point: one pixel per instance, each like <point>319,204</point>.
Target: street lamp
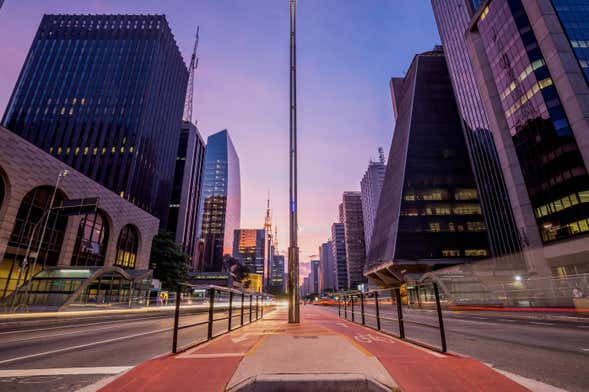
<point>293,249</point>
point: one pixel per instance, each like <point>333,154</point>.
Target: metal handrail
<point>212,290</point>
<point>395,296</point>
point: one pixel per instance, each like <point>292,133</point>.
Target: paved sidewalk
<point>324,347</point>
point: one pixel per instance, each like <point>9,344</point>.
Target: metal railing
<point>223,305</point>
<point>406,311</point>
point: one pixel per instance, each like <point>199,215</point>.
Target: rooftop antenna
<point>190,87</point>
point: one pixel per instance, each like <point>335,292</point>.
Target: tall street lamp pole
<point>293,249</point>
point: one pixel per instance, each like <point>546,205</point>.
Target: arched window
<point>91,241</point>
<point>127,247</point>
<point>32,217</point>
<point>2,190</point>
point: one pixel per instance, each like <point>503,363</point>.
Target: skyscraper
<point>326,267</point>
<point>338,250</point>
<point>370,187</point>
<point>314,282</point>
<point>429,213</point>
<point>453,17</point>
<point>183,212</point>
<point>249,248</point>
<point>220,202</point>
<point>354,232</point>
<point>278,272</point>
<point>530,59</point>
<point>105,94</point>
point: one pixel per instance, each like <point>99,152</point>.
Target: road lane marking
<point>539,323</point>
<point>63,371</point>
<point>71,348</point>
<point>256,345</point>
<point>83,325</point>
<point>585,349</point>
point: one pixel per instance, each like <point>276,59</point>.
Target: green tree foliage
<point>170,263</point>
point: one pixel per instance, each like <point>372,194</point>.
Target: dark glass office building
<point>105,94</point>
<point>429,214</point>
<point>544,138</point>
<point>453,18</point>
<point>186,189</point>
<point>574,17</point>
<point>220,202</point>
<point>249,247</point>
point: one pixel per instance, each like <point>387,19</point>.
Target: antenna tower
<point>190,87</point>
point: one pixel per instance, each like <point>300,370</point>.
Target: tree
<point>169,261</point>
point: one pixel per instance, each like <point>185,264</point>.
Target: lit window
<point>450,252</point>
<point>476,252</point>
<point>434,226</point>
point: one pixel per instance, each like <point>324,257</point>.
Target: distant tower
<point>269,248</point>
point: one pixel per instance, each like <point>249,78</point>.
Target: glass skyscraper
<point>105,94</point>
<point>574,17</point>
<point>220,202</point>
<point>249,248</point>
<point>453,18</point>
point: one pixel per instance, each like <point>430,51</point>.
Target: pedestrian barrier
<point>372,308</point>
<point>232,308</point>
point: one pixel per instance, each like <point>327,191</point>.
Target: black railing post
<point>257,306</point>
<point>211,313</point>
<point>400,313</point>
<point>339,306</point>
<point>262,307</point>
<point>362,308</point>
<point>251,301</point>
<point>230,311</point>
<point>377,310</point>
<point>242,300</point>
<point>345,307</point>
<point>176,321</point>
<point>440,318</point>
<point>352,305</point>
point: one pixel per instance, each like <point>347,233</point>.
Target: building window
<point>476,252</point>
<point>91,241</point>
<point>127,246</point>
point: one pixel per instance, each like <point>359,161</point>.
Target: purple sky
<point>347,51</point>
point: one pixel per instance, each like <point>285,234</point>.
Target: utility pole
<point>293,249</point>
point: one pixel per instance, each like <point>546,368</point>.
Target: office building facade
<point>429,213</point>
<point>370,187</point>
<point>105,94</point>
<point>277,276</point>
<point>354,232</point>
<point>326,267</point>
<point>530,59</point>
<point>186,189</point>
<point>249,248</point>
<point>314,276</point>
<point>220,202</point>
<point>338,251</point>
<point>453,18</point>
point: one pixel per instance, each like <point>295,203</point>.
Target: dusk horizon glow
<point>241,85</point>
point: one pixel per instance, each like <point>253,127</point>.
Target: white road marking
<point>59,334</point>
<point>539,323</point>
<point>63,371</point>
<point>585,349</point>
<point>80,325</point>
<point>84,345</point>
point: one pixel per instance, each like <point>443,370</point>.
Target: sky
<point>347,52</point>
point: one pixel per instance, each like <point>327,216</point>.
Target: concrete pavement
<point>313,353</point>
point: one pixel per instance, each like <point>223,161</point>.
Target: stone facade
<point>23,167</point>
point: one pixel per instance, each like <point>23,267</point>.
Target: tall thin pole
<point>293,249</point>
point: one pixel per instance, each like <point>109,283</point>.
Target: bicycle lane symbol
<point>368,338</point>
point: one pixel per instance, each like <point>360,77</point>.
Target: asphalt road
<point>553,351</point>
<point>97,342</point>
